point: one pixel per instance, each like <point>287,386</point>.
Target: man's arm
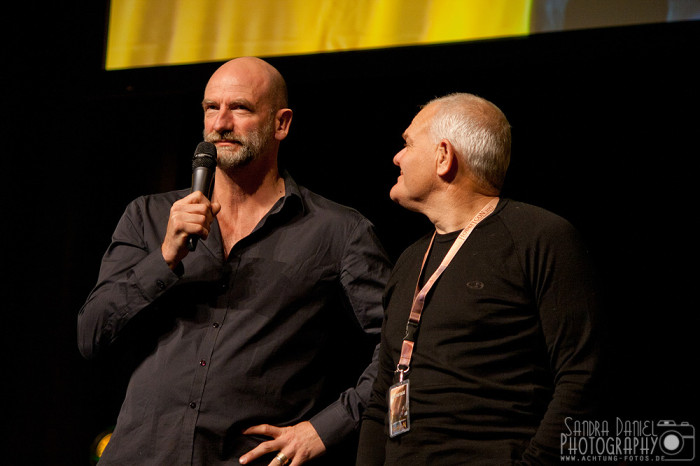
<point>569,313</point>
<point>371,448</point>
<point>365,272</point>
<point>135,270</point>
<point>365,269</point>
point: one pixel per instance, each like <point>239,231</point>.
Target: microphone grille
<point>204,155</point>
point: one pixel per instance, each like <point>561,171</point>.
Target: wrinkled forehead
<point>235,81</point>
<point>421,122</point>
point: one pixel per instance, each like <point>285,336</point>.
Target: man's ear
<point>283,119</point>
<point>446,160</point>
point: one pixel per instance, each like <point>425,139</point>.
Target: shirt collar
<point>292,196</point>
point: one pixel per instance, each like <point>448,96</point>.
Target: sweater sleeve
<point>372,434</point>
<point>563,281</point>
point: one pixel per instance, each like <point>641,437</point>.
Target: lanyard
<point>420,294</point>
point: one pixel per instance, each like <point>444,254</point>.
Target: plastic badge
<point>399,420</point>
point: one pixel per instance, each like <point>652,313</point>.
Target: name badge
<point>399,420</point>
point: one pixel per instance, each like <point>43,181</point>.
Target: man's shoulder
<point>523,215</point>
<point>527,222</point>
<point>168,197</point>
<point>155,203</point>
<point>324,208</point>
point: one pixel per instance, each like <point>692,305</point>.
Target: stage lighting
<point>99,444</point>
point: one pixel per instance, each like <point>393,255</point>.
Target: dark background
<point>605,130</point>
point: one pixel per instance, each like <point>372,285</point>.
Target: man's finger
<point>261,450</point>
<point>263,429</point>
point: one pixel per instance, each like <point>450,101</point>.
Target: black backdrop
<point>605,134</point>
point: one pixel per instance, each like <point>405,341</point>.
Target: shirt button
<point>193,405</point>
<point>202,363</point>
<point>160,284</point>
<point>215,325</point>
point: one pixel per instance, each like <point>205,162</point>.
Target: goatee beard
<point>243,152</point>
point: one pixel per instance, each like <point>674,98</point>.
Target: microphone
<point>203,168</point>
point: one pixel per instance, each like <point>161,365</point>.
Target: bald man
<point>257,346</point>
<point>490,337</point>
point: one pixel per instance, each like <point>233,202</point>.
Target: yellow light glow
<point>161,32</point>
<point>102,444</point>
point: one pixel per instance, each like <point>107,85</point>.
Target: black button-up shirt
<point>281,332</point>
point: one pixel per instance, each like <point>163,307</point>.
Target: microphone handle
<point>192,242</point>
<point>201,181</point>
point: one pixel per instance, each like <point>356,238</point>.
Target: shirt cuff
<point>333,424</point>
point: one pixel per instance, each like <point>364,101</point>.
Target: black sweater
<point>506,348</point>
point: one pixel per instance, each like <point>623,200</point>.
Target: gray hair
<point>479,132</point>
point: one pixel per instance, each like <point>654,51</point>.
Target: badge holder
<point>399,416</point>
<point>398,396</point>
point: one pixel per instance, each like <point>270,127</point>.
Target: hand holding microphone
<point>191,216</point>
<point>203,168</point>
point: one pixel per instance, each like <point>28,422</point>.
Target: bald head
<point>257,75</point>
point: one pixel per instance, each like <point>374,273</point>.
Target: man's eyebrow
<point>233,103</point>
<point>241,102</point>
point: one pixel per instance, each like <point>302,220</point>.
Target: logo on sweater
<point>626,440</point>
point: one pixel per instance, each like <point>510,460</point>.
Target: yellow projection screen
<point>143,33</point>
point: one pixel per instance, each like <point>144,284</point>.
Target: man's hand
<point>191,215</point>
<point>298,443</point>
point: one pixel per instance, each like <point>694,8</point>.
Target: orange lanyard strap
<point>420,294</point>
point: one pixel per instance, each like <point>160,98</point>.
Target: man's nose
<point>397,157</point>
<point>223,121</point>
